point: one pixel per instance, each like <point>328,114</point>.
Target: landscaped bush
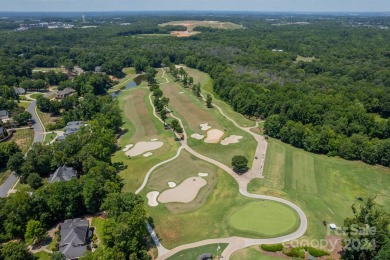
<point>294,252</point>
<point>272,248</point>
<point>316,252</point>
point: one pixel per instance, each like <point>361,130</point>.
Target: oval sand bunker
<point>197,136</point>
<point>171,184</point>
<point>152,198</point>
<point>233,139</point>
<point>185,192</point>
<point>213,136</point>
<point>142,147</point>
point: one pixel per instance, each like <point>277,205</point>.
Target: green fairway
<point>259,218</point>
<point>323,187</point>
<point>193,253</point>
<point>252,253</point>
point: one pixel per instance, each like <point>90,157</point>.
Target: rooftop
<point>74,238</point>
<point>63,173</point>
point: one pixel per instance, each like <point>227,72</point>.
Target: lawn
<point>42,255</point>
<point>193,253</point>
<point>24,104</point>
<point>46,118</point>
<point>98,223</point>
<point>193,112</point>
<point>209,221</point>
<point>185,166</point>
<point>258,217</point>
<point>47,69</point>
<point>305,59</point>
<point>23,138</point>
<point>323,187</point>
<point>36,95</point>
<point>49,137</point>
<point>251,253</point>
<point>141,125</point>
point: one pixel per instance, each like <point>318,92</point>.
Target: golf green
<point>265,218</point>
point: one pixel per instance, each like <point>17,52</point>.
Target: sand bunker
<point>185,192</point>
<point>154,140</point>
<point>171,184</point>
<point>181,92</point>
<point>203,174</point>
<point>233,139</point>
<point>147,154</point>
<point>127,147</point>
<point>152,198</point>
<point>142,147</point>
<point>213,136</point>
<point>197,136</point>
<point>204,127</point>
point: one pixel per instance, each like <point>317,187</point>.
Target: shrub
<point>298,252</point>
<point>316,252</point>
<point>272,248</point>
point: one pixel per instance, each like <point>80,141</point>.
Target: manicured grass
<point>207,88</point>
<point>193,112</point>
<point>47,69</point>
<point>323,187</point>
<point>49,137</point>
<point>252,253</point>
<point>141,125</point>
<point>259,218</point>
<point>46,118</point>
<point>98,223</point>
<point>130,75</point>
<point>24,104</point>
<point>4,173</point>
<point>209,221</point>
<point>23,138</point>
<point>42,255</point>
<point>185,166</point>
<point>193,253</point>
<point>305,59</point>
<point>36,95</point>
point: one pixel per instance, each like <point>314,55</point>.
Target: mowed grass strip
<point>46,118</point>
<point>138,119</point>
<point>193,253</point>
<point>23,138</point>
<point>324,187</point>
<point>252,253</point>
<point>178,170</point>
<point>258,217</point>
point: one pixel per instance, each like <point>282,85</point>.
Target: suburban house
<point>63,173</point>
<point>4,114</point>
<point>71,128</point>
<point>19,91</point>
<point>65,93</point>
<point>3,133</point>
<point>75,236</point>
<point>98,69</point>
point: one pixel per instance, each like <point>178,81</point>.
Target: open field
<point>185,166</point>
<point>252,253</point>
<point>323,187</point>
<point>36,69</point>
<point>193,253</point>
<point>23,138</point>
<point>141,125</point>
<point>193,112</point>
<point>207,87</point>
<point>211,220</point>
<point>258,217</point>
<point>305,59</point>
<point>46,118</point>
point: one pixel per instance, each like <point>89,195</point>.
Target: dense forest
<point>326,90</point>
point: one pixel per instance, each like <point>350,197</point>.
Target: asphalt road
<point>38,137</point>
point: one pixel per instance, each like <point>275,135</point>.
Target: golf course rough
<point>265,218</point>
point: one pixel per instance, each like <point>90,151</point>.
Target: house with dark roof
<point>71,128</point>
<point>19,91</point>
<point>4,114</point>
<point>63,173</point>
<point>75,236</point>
<point>65,93</point>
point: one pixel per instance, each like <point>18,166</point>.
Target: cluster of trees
<point>92,83</point>
<point>240,164</point>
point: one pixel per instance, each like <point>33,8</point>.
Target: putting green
<point>265,218</point>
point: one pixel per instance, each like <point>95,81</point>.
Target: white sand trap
<point>142,147</point>
<point>171,184</point>
<point>213,136</point>
<point>233,139</point>
<point>203,174</point>
<point>154,139</point>
<point>185,192</point>
<point>204,127</point>
<point>181,92</point>
<point>127,147</point>
<point>197,136</point>
<point>147,154</point>
<point>152,198</point>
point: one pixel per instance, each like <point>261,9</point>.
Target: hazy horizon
<point>195,5</point>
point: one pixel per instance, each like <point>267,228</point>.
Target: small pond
<point>135,82</point>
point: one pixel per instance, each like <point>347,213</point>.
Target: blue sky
<point>233,5</point>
